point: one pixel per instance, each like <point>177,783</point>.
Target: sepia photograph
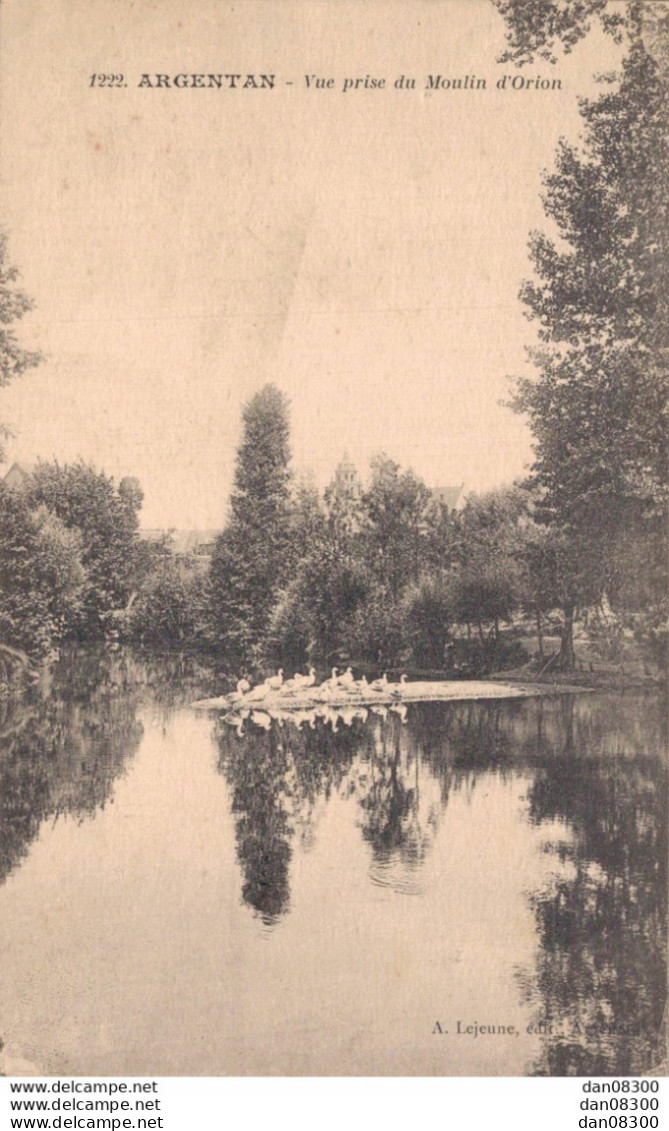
<point>334,344</point>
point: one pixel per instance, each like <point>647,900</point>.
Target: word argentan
<point>209,82</point>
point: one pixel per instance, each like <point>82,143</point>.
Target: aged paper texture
<point>333,199</point>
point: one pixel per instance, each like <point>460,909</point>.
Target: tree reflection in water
<point>595,786</point>
<point>61,752</point>
<point>601,971</point>
<point>277,777</point>
<point>397,820</point>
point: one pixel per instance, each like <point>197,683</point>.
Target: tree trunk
<point>540,633</point>
<point>566,658</point>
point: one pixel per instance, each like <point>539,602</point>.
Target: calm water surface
<point>178,898</point>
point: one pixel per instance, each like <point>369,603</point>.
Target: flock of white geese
<point>341,699</point>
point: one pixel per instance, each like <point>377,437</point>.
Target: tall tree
<point>600,296</point>
<point>13,305</point>
<point>395,511</point>
<point>253,557</point>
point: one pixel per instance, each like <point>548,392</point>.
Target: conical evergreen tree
<point>252,557</point>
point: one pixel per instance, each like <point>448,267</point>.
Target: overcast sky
<point>183,247</point>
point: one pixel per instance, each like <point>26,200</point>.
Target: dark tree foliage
<point>13,305</point>
<point>315,612</point>
<point>598,407</point>
<point>427,613</point>
<point>41,576</point>
<point>601,299</point>
<point>395,509</point>
<point>168,610</point>
<point>253,557</point>
<point>106,518</point>
<point>540,27</point>
<point>355,564</point>
<point>485,587</point>
<point>24,615</point>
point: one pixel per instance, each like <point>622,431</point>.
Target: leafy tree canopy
<point>106,519</point>
<point>541,27</point>
<point>14,360</point>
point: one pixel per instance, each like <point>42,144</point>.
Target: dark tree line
<point>385,573</point>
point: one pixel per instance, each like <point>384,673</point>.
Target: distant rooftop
<point>451,496</point>
<point>183,541</point>
<point>18,473</point>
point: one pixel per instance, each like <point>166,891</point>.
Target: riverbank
<point>592,674</point>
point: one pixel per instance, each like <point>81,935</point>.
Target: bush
<point>41,577</point>
<point>167,612</point>
<point>469,659</point>
<point>104,517</point>
<point>291,631</point>
<point>426,616</point>
<point>375,630</point>
<point>314,614</point>
<point>483,600</point>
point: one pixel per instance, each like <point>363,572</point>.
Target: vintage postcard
<point>333,638</point>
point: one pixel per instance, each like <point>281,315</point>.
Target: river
<point>471,889</point>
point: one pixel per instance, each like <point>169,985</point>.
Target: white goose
<point>263,689</point>
<point>328,687</point>
<point>396,691</point>
<point>300,682</point>
<point>347,680</point>
<point>274,683</point>
<point>258,692</point>
<point>242,687</point>
<point>332,681</point>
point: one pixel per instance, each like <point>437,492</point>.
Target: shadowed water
<point>360,895</point>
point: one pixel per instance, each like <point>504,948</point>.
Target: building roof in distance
<point>182,541</point>
<point>451,496</point>
<point>18,473</point>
